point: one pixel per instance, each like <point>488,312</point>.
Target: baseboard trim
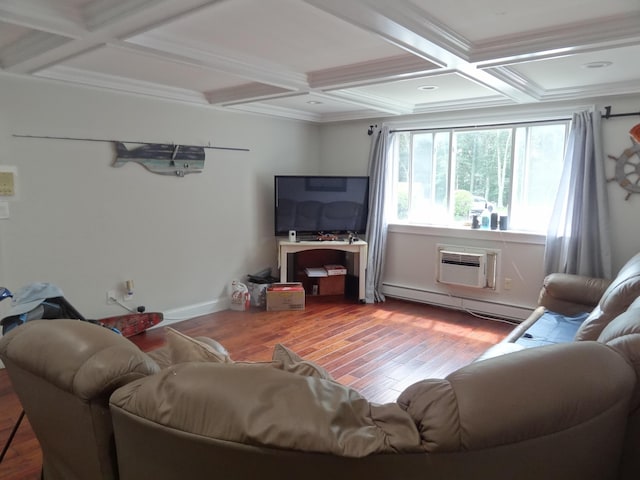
<point>495,309</point>
<point>190,311</point>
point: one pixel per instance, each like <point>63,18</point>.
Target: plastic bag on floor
<point>240,298</point>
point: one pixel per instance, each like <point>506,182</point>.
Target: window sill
<point>511,236</point>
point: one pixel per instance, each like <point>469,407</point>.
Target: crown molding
<point>457,105</point>
<point>480,115</point>
<point>246,93</point>
<point>517,81</point>
<point>110,82</point>
<point>276,111</point>
<point>577,38</point>
<point>33,44</point>
<point>592,91</point>
<point>372,102</point>
<point>367,73</point>
<point>57,18</point>
<point>216,58</point>
<point>349,116</point>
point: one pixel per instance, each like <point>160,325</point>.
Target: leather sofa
<point>610,314</point>
<point>102,409</point>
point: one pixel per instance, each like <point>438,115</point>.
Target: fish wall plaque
<point>162,158</point>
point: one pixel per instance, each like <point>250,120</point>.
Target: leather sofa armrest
<point>571,294</point>
<point>78,357</point>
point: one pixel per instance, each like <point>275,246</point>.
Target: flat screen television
<point>321,204</point>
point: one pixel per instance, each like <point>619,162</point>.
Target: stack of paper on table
<point>335,269</point>
<point>315,272</point>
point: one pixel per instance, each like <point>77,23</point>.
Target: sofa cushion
<point>291,362</point>
<point>623,334</point>
<point>627,323</point>
<point>256,404</point>
<point>624,289</point>
<point>184,348</point>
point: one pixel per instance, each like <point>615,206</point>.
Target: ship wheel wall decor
<point>627,172</point>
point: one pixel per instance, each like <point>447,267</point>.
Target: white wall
<point>87,227</point>
<point>411,253</point>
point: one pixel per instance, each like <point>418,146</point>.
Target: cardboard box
<point>285,296</point>
<point>331,285</point>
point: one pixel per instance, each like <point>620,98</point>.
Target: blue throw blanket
<point>551,328</point>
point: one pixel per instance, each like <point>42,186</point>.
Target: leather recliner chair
<point>64,372</point>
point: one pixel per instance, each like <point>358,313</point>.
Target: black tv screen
<point>327,204</point>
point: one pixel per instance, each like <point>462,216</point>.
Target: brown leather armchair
<point>64,372</point>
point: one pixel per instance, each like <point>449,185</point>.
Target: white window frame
<point>492,120</point>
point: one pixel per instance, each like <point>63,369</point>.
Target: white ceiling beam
<point>372,72</point>
<point>140,16</point>
<point>249,92</point>
<point>567,40</point>
<point>128,85</point>
<point>219,59</point>
<point>57,18</point>
<point>371,102</point>
<point>404,25</point>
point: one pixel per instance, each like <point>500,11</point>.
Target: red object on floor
<point>132,324</point>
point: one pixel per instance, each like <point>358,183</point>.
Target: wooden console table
<point>360,247</point>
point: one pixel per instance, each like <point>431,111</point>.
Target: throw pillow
<point>291,362</point>
<point>186,349</point>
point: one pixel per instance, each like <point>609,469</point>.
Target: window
<point>446,176</point>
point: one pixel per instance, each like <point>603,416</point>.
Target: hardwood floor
<point>377,349</point>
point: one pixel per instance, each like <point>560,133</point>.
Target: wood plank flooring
<point>377,349</point>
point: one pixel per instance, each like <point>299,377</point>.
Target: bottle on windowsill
<point>485,219</point>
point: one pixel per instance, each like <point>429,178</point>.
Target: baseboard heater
<point>467,267</point>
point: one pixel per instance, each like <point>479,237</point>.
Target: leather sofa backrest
<point>539,413</point>
<point>258,404</point>
<point>623,334</point>
<point>622,291</point>
<point>64,372</point>
<point>532,393</point>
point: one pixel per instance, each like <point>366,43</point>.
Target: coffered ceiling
<point>330,60</point>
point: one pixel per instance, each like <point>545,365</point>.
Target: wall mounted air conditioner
<point>467,267</point>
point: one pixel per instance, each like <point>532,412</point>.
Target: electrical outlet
<point>111,297</point>
<point>507,283</point>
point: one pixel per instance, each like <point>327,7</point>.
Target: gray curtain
<point>377,223</point>
<point>578,239</point>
